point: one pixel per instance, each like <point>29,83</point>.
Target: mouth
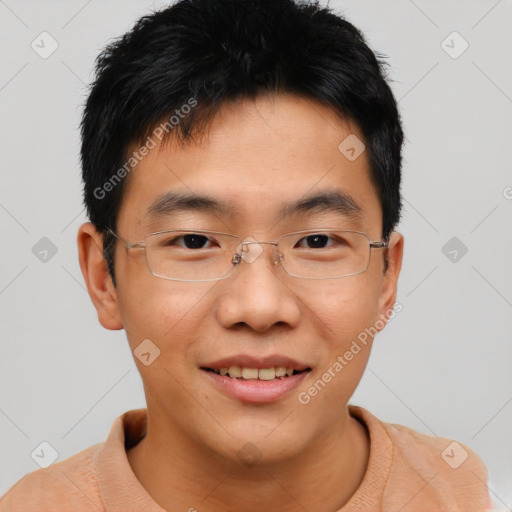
<point>256,380</point>
<point>248,373</point>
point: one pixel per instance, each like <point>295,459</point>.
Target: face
<point>256,157</point>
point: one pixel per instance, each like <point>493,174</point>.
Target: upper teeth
<point>255,373</point>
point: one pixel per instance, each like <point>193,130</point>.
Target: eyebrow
<point>174,202</point>
<point>328,201</point>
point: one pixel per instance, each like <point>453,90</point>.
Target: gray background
<point>442,366</point>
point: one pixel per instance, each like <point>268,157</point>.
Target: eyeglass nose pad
<point>237,257</point>
<point>279,259</point>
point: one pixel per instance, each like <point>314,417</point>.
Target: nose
<point>256,294</point>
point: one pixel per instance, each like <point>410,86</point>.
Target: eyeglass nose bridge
<point>250,255</point>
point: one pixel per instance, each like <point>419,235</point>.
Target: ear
<point>387,297</point>
<point>97,278</point>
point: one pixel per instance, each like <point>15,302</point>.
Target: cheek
<point>345,312</point>
<point>343,308</point>
<point>169,313</point>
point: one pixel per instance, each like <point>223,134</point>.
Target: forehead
<point>258,161</point>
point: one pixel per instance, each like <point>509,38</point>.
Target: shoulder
<point>429,469</point>
<point>425,453</point>
<point>450,470</point>
<point>67,485</point>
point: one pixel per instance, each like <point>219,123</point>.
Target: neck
<point>179,474</point>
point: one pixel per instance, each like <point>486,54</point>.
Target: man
<point>241,162</point>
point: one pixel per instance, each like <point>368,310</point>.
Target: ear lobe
<point>387,297</point>
<point>95,271</point>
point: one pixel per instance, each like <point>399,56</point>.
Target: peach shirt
<point>406,472</point>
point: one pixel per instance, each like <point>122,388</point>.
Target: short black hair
<point>177,66</point>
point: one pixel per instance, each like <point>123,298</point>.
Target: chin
<point>260,445</point>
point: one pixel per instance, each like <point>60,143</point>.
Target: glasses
<point>202,255</point>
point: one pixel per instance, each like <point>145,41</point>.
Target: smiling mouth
<point>244,373</point>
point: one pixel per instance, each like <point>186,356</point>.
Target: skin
<point>256,155</point>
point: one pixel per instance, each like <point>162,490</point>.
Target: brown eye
<point>188,241</point>
<point>315,241</point>
<point>194,241</point>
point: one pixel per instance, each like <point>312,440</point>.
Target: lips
<point>256,380</point>
<point>256,390</point>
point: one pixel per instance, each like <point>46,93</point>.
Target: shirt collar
<point>119,487</point>
<point>121,491</point>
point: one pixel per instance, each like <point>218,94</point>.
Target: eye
<point>188,241</point>
<point>315,241</point>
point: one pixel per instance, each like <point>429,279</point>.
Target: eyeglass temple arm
<point>129,245</point>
